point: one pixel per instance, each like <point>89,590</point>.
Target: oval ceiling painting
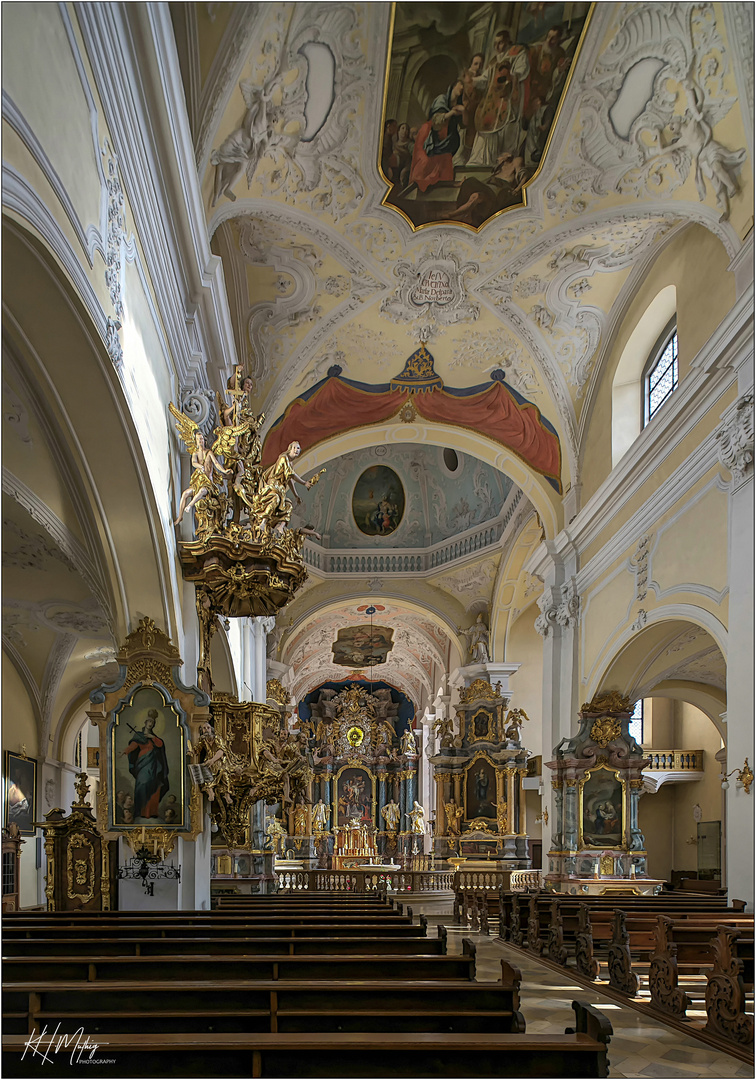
<point>378,501</point>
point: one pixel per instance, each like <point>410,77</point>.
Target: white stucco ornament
<point>435,288</point>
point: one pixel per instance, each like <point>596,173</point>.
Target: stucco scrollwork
<point>435,288</point>
<point>548,604</point>
<point>735,438</point>
<point>649,109</point>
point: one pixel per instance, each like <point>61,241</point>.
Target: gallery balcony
<point>672,767</point>
<point>360,561</point>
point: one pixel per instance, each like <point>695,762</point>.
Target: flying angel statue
<point>203,482</point>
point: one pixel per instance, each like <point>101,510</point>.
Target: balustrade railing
<point>405,561</point>
<point>357,881</point>
<point>676,760</point>
<point>525,880</point>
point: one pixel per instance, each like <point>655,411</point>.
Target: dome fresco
<point>439,501</point>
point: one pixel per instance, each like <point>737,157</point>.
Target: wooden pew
<point>581,1052</point>
<point>265,1005</point>
<point>94,967</point>
<point>54,945</point>
<point>685,949</point>
<point>154,928</point>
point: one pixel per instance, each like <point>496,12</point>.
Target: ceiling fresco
<point>438,504</point>
<point>472,94</point>
<point>328,284</point>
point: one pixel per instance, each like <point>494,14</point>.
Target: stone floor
<point>640,1046</point>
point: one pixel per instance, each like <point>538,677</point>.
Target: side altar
<point>597,847</point>
<point>479,772</point>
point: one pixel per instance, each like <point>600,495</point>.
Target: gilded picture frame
<point>479,793</point>
<point>426,166</point>
<point>602,810</point>
<point>20,792</point>
<point>340,793</point>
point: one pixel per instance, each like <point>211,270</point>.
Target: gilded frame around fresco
<point>533,178</point>
<point>582,845</point>
<point>465,774</point>
<point>335,808</point>
<point>148,659</point>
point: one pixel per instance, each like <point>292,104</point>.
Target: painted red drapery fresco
<point>337,405</point>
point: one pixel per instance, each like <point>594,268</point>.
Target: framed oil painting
<point>20,792</point>
<point>354,795</point>
<point>362,646</point>
<point>480,790</point>
<point>147,748</point>
<point>602,823</point>
<point>472,95</point>
<point>378,501</point>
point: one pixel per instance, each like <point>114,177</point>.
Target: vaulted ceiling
<point>286,107</point>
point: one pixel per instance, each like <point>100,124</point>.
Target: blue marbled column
<point>570,816</point>
<point>403,821</point>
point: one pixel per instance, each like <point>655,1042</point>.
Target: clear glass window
<point>635,726</point>
<point>661,376</point>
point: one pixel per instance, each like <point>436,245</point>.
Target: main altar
<point>361,803</point>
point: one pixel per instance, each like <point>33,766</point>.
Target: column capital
<point>548,603</point>
<point>735,438</point>
<point>568,609</point>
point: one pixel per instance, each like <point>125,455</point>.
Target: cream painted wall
<point>524,646</point>
<point>19,722</point>
<point>696,264</point>
<point>666,818</point>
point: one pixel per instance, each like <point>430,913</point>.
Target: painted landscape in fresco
<point>472,92</point>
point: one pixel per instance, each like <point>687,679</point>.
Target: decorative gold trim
<point>478,824</point>
<point>274,689</point>
<point>480,690</point>
<point>78,870</point>
<point>606,730</point>
<point>609,702</point>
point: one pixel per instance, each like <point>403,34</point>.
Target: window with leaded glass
<point>635,726</point>
<point>661,374</point>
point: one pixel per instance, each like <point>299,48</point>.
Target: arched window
<point>628,385</point>
<point>660,373</point>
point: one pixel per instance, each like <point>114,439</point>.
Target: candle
<point>597,870</point>
<point>154,846</point>
<point>162,854</point>
<point>143,834</point>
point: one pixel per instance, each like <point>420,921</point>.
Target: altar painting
<point>20,792</point>
<point>480,790</point>
<point>601,809</point>
<point>354,796</point>
<point>378,501</point>
<point>362,646</point>
<point>147,748</point>
<point>472,94</point>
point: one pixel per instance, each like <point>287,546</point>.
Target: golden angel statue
<point>203,484</point>
<point>269,508</point>
<point>453,814</point>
